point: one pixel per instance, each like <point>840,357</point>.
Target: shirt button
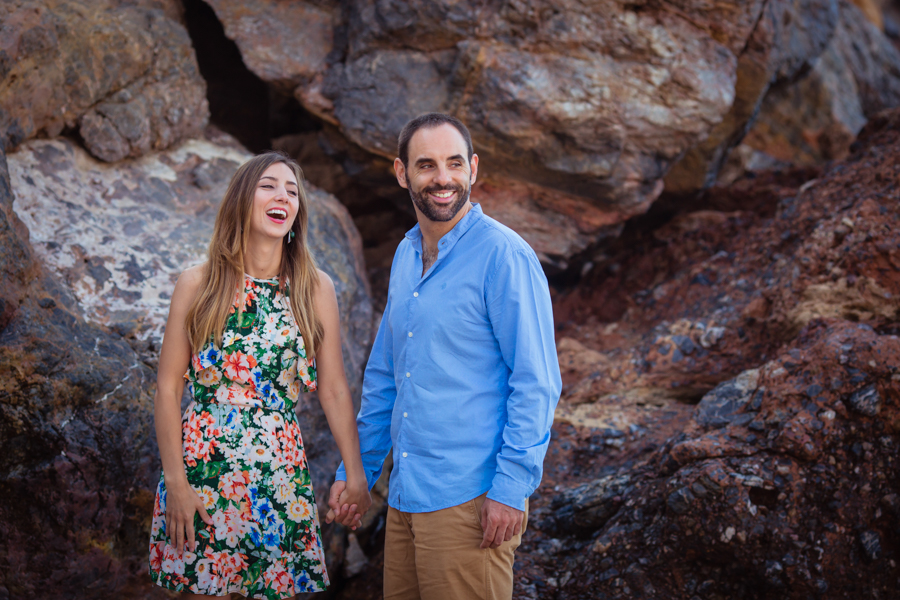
<point>410,334</point>
<point>404,455</point>
<point>415,294</point>
<point>404,415</point>
<point>407,373</point>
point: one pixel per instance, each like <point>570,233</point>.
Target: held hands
<point>348,502</point>
<point>500,523</point>
<point>181,504</point>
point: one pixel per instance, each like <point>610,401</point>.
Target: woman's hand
<point>181,504</point>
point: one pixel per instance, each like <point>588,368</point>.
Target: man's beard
<point>434,212</point>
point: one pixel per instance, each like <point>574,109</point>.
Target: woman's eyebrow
<point>275,179</point>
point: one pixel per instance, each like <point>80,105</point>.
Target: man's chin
<point>436,213</point>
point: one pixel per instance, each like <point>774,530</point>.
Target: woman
<point>250,329</point>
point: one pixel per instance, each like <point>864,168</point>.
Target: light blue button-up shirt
<point>463,378</point>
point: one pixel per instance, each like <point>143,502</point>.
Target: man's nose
<point>443,176</point>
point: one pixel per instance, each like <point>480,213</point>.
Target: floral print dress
<point>244,456</point>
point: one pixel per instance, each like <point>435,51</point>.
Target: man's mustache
<point>442,188</point>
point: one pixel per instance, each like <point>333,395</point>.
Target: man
<point>463,381</point>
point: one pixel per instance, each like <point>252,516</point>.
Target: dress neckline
<point>269,280</point>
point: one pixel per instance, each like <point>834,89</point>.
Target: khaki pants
<point>436,556</point>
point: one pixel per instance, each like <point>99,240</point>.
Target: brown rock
<point>284,43</point>
<point>556,225</point>
<point>124,76</point>
<point>778,480</point>
<point>746,502</point>
<point>787,37</point>
<point>596,102</point>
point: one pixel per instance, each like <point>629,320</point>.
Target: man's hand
<point>500,523</point>
<point>343,512</point>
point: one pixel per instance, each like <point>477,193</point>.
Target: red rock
<point>776,484</point>
<point>124,76</point>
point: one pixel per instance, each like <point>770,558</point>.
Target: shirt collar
<point>450,238</point>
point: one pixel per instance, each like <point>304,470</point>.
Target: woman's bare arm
<point>174,358</point>
<point>334,395</point>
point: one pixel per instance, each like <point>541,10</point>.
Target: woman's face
<point>275,202</point>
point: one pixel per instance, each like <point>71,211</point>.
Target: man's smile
<point>443,195</point>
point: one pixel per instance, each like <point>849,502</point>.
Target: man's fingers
<point>489,534</point>
<point>504,534</point>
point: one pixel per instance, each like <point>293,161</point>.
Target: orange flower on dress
<point>237,366</point>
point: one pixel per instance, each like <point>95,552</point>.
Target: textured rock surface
<point>782,320</point>
<point>790,491</point>
<point>788,37</point>
<point>78,355</point>
<point>556,225</point>
<point>596,100</point>
<point>817,118</point>
<point>285,43</point>
<point>123,75</point>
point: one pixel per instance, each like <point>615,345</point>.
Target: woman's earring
<point>291,236</point>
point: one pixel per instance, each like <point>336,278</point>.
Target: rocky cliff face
<point>729,423</point>
<point>782,479</point>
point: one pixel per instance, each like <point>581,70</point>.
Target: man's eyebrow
<point>275,179</point>
<point>431,160</point>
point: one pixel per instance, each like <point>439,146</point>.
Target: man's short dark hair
<point>429,121</point>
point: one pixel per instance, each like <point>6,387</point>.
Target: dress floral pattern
<point>244,456</point>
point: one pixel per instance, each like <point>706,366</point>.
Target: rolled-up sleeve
<point>521,315</point>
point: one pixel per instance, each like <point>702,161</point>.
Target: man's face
<point>439,176</point>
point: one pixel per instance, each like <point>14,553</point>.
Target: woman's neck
<point>262,259</point>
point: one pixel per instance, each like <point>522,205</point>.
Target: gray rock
<point>727,401</point>
<point>588,507</point>
<point>870,541</point>
<point>866,401</point>
<point>680,500</point>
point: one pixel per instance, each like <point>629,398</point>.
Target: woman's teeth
<point>277,213</point>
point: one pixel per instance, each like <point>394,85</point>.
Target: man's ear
<point>474,165</point>
<point>400,172</point>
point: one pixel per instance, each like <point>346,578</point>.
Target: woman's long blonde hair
<point>223,277</point>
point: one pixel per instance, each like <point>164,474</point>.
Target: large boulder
<point>123,75</point>
<point>588,104</point>
<point>80,349</point>
<point>816,118</point>
<point>786,39</point>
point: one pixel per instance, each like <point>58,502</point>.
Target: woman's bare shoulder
<point>189,281</point>
<point>324,279</point>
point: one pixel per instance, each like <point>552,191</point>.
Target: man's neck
<point>433,231</point>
